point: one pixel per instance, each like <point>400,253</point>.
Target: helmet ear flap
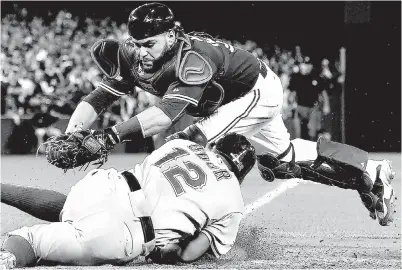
<point>171,36</point>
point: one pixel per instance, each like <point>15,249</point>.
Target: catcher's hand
<point>78,148</point>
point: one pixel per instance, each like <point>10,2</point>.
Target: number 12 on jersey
<point>196,181</point>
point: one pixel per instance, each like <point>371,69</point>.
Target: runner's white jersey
<point>191,190</point>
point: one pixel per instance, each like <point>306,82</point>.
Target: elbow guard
<point>105,54</point>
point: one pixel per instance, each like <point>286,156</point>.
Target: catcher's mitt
<point>76,149</point>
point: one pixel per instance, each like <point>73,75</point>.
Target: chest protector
<point>117,60</point>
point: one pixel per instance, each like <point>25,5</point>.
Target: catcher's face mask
<point>150,26</point>
<point>151,50</point>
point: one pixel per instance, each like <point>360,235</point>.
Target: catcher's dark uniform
<point>197,68</point>
<point>237,91</point>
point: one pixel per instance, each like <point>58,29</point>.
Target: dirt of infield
<point>308,226</point>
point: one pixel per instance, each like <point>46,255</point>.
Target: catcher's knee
<point>264,165</point>
<point>270,167</point>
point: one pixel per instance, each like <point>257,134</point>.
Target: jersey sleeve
<point>188,93</point>
<point>178,96</point>
<point>118,86</point>
<point>222,233</point>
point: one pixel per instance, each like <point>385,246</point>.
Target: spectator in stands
<point>4,94</point>
<point>289,107</point>
<point>308,90</point>
<point>47,59</point>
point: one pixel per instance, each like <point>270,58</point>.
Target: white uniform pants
<point>257,115</point>
<point>97,225</point>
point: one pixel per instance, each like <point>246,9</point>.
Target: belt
<point>131,180</point>
<point>146,222</point>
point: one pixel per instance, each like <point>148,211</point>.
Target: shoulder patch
<point>105,54</point>
<point>194,69</point>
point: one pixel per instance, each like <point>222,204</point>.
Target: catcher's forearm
<point>83,117</point>
<point>149,122</point>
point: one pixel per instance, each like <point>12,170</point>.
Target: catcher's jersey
<point>191,191</point>
<point>195,61</point>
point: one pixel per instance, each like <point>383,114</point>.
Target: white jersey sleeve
<point>222,233</point>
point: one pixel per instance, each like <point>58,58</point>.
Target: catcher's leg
<point>385,208</point>
<point>339,165</point>
<point>248,114</point>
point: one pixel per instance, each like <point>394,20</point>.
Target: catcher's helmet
<point>150,20</point>
<point>239,152</point>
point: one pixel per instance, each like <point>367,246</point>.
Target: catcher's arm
<point>90,108</point>
<point>149,122</point>
<point>117,81</point>
<point>84,116</point>
<point>187,90</point>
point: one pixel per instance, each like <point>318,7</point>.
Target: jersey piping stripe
<point>213,247</point>
<point>142,128</point>
<point>245,114</point>
<point>111,90</point>
<point>181,97</point>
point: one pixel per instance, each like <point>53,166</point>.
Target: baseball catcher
<point>230,90</point>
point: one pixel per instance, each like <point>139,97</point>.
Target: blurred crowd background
<point>46,70</point>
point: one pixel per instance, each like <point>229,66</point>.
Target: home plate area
<point>289,224</point>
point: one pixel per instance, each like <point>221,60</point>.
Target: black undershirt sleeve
<point>100,99</point>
